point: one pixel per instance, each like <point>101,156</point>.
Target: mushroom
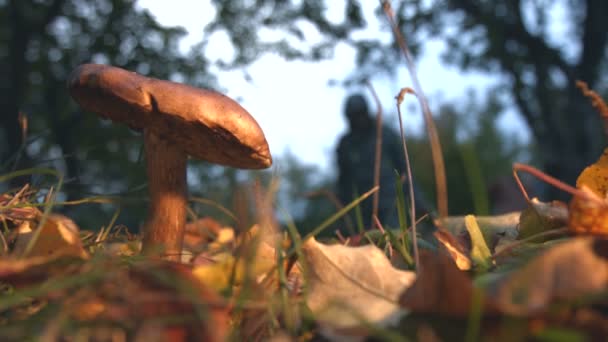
<point>177,120</point>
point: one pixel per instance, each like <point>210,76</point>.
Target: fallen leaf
<point>540,216</point>
<point>454,248</point>
<point>495,229</point>
<point>588,215</point>
<point>59,235</point>
<point>170,290</point>
<point>27,271</point>
<point>441,288</point>
<point>351,285</point>
<point>219,269</point>
<point>567,271</point>
<point>595,176</point>
<point>10,209</point>
<point>128,248</point>
<point>200,232</point>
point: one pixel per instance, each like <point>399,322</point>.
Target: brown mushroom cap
<point>205,124</point>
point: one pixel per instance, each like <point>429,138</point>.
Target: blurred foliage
<point>41,41</point>
<point>471,137</point>
<point>537,50</point>
<point>540,49</point>
<point>477,153</point>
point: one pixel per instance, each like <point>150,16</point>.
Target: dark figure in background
<point>356,156</point>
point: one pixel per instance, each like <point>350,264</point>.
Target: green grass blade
<point>328,222</point>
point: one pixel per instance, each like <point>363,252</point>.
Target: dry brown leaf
<point>441,288</point>
<point>10,211</point>
<point>567,271</point>
<point>32,270</point>
<point>58,236</point>
<point>540,216</point>
<point>200,232</point>
<point>495,229</point>
<point>454,248</point>
<point>150,300</point>
<point>184,295</point>
<point>351,285</point>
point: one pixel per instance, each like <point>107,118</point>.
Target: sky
<point>292,101</point>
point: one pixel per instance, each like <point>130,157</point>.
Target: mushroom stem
<point>166,168</point>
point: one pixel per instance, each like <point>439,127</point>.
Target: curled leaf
<point>58,236</point>
<point>595,176</point>
<point>588,215</point>
<point>540,217</point>
<point>568,270</point>
<point>495,229</point>
<point>351,285</point>
<point>442,289</point>
<point>454,249</point>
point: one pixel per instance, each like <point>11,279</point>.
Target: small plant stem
<point>437,154</point>
<point>410,180</point>
<point>553,181</point>
<point>381,229</point>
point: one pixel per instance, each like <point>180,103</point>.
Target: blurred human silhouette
<point>355,158</point>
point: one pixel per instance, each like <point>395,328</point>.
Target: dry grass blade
<point>437,154</point>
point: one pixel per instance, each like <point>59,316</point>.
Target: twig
<point>381,229</point>
<point>555,182</point>
<point>436,153</point>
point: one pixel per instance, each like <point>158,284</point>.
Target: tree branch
<point>517,32</point>
<point>593,41</point>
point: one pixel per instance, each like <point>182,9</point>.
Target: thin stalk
<point>408,169</point>
<point>437,155</point>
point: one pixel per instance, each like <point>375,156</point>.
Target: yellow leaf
<point>589,214</point>
<point>595,176</point>
<point>217,273</point>
<point>58,236</point>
